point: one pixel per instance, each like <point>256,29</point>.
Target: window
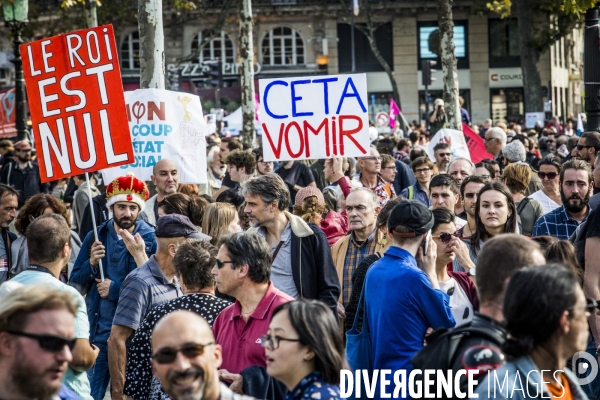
<point>283,46</point>
<point>219,48</point>
<point>504,43</point>
<point>130,51</point>
<point>364,59</point>
<point>428,45</point>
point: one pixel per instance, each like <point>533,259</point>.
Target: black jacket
<point>313,270</point>
<point>472,351</point>
<point>27,181</point>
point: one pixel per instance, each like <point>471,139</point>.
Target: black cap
<point>176,225</point>
<point>411,214</point>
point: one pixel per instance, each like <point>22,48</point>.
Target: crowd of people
<point>246,286</point>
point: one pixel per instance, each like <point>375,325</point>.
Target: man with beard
<point>166,179</point>
<point>575,191</point>
<point>216,172</point>
<point>442,153</point>
<point>37,333</point>
<point>124,243</point>
<point>186,359</point>
<point>588,146</point>
<point>23,174</point>
<point>302,264</point>
<point>9,200</point>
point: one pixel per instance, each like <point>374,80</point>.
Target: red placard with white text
<point>76,102</point>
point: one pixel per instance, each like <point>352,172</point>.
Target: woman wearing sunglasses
<point>458,285</point>
<point>305,350</point>
<point>495,213</point>
<point>549,196</point>
<point>546,319</point>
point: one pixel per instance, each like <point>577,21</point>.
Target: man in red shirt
<point>243,271</point>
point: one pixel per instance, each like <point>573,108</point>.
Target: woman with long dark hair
<point>305,350</point>
<point>546,320</point>
<point>495,213</point>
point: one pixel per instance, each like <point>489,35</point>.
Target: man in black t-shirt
<point>296,176</point>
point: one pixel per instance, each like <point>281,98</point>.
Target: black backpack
<point>441,348</point>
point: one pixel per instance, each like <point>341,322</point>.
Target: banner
<point>8,114</point>
<point>75,96</point>
<point>579,124</point>
<point>455,139</point>
<point>531,118</point>
<point>476,145</point>
<point>165,124</point>
<point>314,117</point>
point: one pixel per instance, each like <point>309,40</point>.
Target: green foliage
<point>564,14</point>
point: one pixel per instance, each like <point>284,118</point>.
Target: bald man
<point>166,179</point>
<point>185,358</point>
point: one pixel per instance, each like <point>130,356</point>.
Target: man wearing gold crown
<point>124,243</point>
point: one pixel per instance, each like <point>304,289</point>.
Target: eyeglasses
<point>444,154</point>
<point>50,343</point>
<point>445,237</point>
<point>273,341</point>
<point>22,151</point>
<point>589,307</point>
<point>422,171</point>
<point>221,264</point>
<point>167,355</point>
<point>487,139</point>
<point>372,159</point>
<point>266,162</point>
<point>392,167</point>
<point>473,195</point>
<point>549,175</point>
<point>582,146</point>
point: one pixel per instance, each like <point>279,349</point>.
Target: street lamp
<point>15,16</point>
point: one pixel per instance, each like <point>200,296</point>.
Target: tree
<point>536,38</point>
<point>449,68</point>
<point>368,28</point>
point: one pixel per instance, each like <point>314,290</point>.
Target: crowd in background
<point>246,286</point>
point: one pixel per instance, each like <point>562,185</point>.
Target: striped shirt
<point>144,288</point>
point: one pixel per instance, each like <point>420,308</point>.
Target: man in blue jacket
<point>403,296</point>
<point>124,243</point>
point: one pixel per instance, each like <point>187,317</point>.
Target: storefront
<point>506,94</point>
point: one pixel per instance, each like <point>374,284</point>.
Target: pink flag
<point>394,110</point>
<point>256,107</point>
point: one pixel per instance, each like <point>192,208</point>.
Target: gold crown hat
<point>127,188</point>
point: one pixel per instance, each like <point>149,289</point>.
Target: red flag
<point>394,110</point>
<point>476,145</point>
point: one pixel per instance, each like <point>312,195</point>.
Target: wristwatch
<point>472,272</point>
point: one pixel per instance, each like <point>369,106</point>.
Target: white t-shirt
<point>462,309</point>
<point>547,203</point>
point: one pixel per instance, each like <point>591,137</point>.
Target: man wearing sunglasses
<point>37,329</point>
<point>48,255</point>
<point>442,153</point>
<point>588,145</point>
<point>186,359</point>
<point>23,174</point>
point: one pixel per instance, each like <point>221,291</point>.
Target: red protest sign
<point>76,103</point>
<point>476,145</point>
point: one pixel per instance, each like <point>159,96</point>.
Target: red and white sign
<point>314,117</point>
<point>76,103</point>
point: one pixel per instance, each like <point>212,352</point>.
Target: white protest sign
<point>532,117</point>
<point>165,124</point>
<point>314,117</point>
<point>455,139</point>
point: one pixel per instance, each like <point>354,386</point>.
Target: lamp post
<point>15,16</point>
<point>591,72</point>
